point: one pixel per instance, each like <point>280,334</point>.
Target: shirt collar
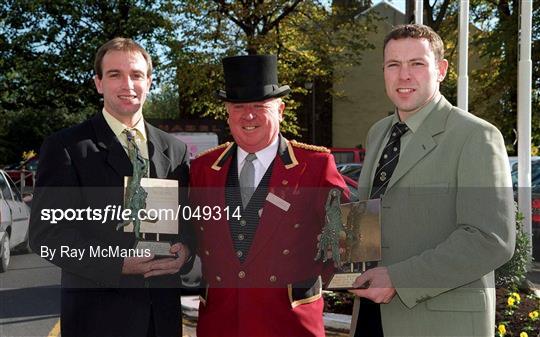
<point>118,127</point>
<point>264,156</point>
<point>416,119</point>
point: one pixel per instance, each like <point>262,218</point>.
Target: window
<point>4,187</point>
<point>14,189</point>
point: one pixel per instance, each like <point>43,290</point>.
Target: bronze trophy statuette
<point>351,237</point>
<point>148,197</point>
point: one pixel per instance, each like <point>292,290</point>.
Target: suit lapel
<point>160,164</point>
<point>422,142</point>
<point>115,155</point>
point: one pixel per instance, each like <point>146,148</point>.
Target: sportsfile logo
<point>120,214</point>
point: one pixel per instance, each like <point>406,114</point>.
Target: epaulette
<point>213,149</point>
<point>309,147</point>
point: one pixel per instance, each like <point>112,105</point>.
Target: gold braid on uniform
<point>213,149</point>
<point>309,147</point>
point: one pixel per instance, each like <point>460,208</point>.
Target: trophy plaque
<point>351,236</point>
<point>156,201</point>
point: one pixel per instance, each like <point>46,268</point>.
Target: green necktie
<point>135,198</point>
<point>139,163</point>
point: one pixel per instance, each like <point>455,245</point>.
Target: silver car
<point>14,220</point>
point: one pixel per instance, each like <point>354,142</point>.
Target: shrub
<point>512,274</point>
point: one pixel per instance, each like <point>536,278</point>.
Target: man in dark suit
<point>84,166</point>
<point>258,258</point>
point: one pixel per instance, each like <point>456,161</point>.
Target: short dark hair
<point>120,44</point>
<point>415,31</point>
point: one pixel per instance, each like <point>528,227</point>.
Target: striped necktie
<point>388,161</point>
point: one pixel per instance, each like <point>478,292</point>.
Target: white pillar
<point>524,114</point>
<point>418,12</point>
<point>463,77</point>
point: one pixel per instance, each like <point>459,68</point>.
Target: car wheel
<point>5,254</point>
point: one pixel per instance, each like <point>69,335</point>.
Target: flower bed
<point>517,312</point>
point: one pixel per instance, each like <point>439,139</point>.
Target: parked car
<point>535,191</point>
<point>352,171</point>
<point>348,155</point>
<point>344,166</point>
<point>29,167</point>
<point>14,220</point>
<point>514,159</point>
<point>353,187</point>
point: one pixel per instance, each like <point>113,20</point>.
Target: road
<point>30,300</point>
<point>29,297</point>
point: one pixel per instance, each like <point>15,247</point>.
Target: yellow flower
<point>516,297</point>
<point>28,154</point>
<point>511,301</point>
<point>534,315</point>
<point>502,329</point>
<point>523,334</point>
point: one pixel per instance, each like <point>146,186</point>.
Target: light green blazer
<point>447,222</point>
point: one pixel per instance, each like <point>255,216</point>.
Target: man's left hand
<point>379,286</point>
<point>169,266</point>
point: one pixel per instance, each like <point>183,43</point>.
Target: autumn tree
<point>46,62</point>
<point>312,45</point>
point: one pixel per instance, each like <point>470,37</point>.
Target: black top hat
<point>251,78</point>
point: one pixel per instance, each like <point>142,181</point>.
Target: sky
<point>400,4</point>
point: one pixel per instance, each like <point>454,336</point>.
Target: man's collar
<point>265,156</point>
<point>118,127</point>
<point>285,151</point>
<point>416,119</point>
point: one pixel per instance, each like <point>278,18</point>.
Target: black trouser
<point>369,322</point>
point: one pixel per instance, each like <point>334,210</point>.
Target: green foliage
<point>46,62</point>
<point>47,50</point>
<point>493,61</point>
<point>498,46</point>
<point>512,274</point>
<point>311,43</point>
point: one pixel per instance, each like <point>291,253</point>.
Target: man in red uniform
<point>258,255</point>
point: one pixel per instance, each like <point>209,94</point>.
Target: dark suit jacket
<point>84,166</point>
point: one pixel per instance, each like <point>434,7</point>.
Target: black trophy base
<point>160,249</point>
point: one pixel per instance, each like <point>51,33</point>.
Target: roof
<point>382,3</point>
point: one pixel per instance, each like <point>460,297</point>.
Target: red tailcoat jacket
<point>276,289</point>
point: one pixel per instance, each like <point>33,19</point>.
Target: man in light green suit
<point>446,199</point>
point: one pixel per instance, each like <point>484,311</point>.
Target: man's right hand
<point>137,265</point>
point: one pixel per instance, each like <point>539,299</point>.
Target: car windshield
<point>352,172</point>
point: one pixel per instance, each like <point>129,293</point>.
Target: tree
<point>498,45</point>
<point>493,44</point>
<point>46,68</point>
<point>311,44</point>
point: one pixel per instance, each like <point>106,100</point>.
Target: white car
<point>14,220</point>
